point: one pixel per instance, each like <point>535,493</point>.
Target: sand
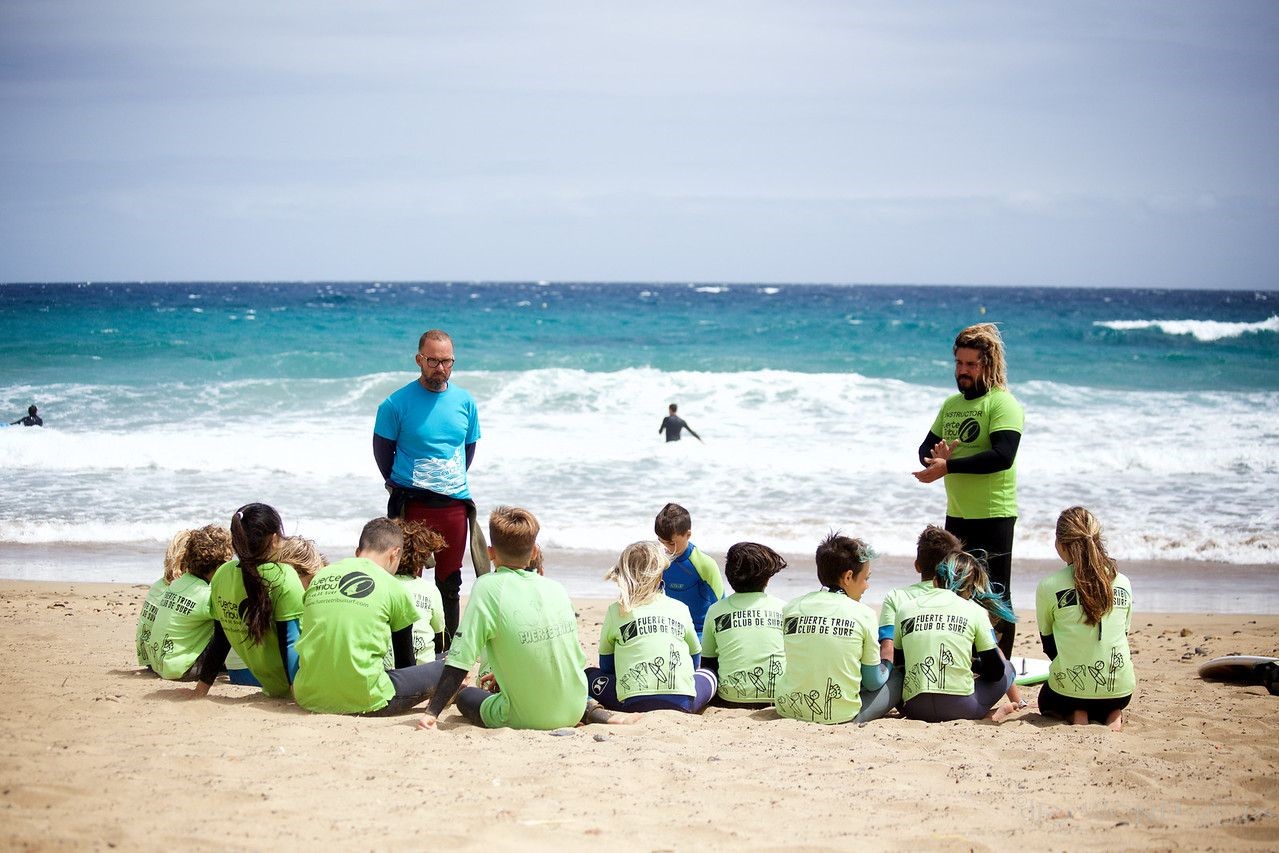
<point>97,754</point>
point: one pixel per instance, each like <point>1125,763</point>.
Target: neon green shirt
<point>1093,661</point>
<point>227,595</point>
<point>893,601</point>
<point>652,648</point>
<point>351,609</point>
<point>146,618</point>
<point>971,422</point>
<point>525,627</point>
<point>828,638</point>
<point>430,619</point>
<point>744,634</point>
<point>937,632</point>
<point>183,627</point>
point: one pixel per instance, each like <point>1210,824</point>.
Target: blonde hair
<point>985,338</point>
<point>638,574</point>
<point>420,544</point>
<point>174,556</point>
<point>513,533</point>
<point>301,554</point>
<point>1079,537</point>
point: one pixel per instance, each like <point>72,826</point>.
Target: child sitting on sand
<point>933,545</point>
<point>257,604</point>
<point>1085,612</point>
<point>833,670</point>
<point>649,651</point>
<point>420,542</point>
<point>692,577</point>
<point>742,641</point>
<point>354,611</point>
<point>151,605</point>
<point>936,634</point>
<point>184,623</point>
<point>524,626</point>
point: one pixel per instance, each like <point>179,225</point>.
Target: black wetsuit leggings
<point>943,707</point>
<point>1053,704</point>
<point>413,686</point>
<point>995,537</point>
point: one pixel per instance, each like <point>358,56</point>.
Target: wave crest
<point>1202,330</point>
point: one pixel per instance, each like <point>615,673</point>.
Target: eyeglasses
<point>436,362</point>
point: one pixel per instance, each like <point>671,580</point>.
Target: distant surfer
<point>672,424</point>
<point>973,445</point>
<point>32,419</point>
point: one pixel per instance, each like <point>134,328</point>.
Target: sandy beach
<point>100,755</point>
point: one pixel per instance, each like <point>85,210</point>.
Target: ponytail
<point>253,528</point>
<point>1079,537</point>
<point>966,575</point>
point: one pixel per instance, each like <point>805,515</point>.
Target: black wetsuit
<point>672,424</point>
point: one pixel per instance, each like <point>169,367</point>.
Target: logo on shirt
<point>650,625</point>
<point>748,619</point>
<point>598,685</point>
<point>355,585</point>
<point>968,430</point>
<point>1067,598</point>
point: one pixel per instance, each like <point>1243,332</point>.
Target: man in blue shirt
<point>424,442</point>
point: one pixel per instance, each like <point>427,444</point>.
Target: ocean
<point>167,405</point>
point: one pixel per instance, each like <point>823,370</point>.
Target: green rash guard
<point>652,647</point>
<point>351,609</point>
<point>744,634</point>
<point>183,627</point>
<point>937,633</point>
<point>971,422</point>
<point>828,638</point>
<point>1093,661</point>
<point>893,602</point>
<point>146,618</point>
<point>525,627</point>
<point>227,594</point>
<point>430,620</point>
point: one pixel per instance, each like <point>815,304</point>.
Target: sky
<point>1128,144</point>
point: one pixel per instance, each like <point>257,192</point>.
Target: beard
<point>435,383</point>
<point>970,388</point>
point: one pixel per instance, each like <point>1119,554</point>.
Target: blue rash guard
<point>684,582</point>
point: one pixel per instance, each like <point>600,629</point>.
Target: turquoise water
<point>138,332</point>
<point>168,405</point>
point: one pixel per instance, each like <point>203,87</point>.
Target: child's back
<point>744,634</point>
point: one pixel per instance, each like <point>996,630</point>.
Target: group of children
<point>365,635</point>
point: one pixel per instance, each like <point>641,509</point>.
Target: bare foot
<point>1115,722</point>
<point>1079,718</point>
<point>597,713</point>
<point>1003,711</point>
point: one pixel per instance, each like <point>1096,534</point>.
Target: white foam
<point>1201,330</point>
<point>787,456</point>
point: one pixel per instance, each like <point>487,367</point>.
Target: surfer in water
<point>32,419</point>
<point>673,423</point>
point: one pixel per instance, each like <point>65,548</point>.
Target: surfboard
<point>1244,669</point>
<point>1030,670</point>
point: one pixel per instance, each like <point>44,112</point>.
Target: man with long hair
<point>973,446</point>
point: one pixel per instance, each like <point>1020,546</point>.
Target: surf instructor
<point>973,446</point>
<point>424,441</point>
